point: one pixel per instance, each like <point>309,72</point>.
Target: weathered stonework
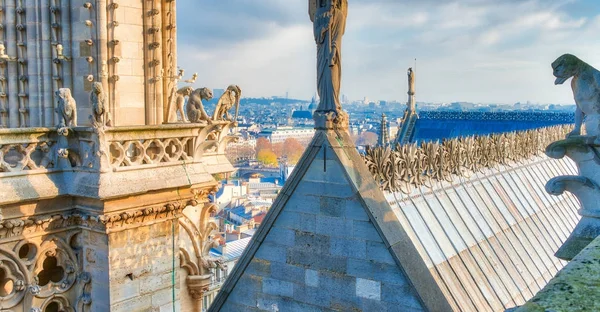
<point>124,45</point>
<point>328,243</point>
<point>406,167</point>
<point>110,228</point>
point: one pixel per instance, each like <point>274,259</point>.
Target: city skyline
<point>474,51</point>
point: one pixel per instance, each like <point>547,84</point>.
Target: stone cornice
<point>131,217</point>
<point>105,222</point>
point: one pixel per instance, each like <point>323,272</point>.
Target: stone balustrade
<point>85,161</point>
<point>39,150</point>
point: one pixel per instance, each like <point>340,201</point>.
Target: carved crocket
<point>231,97</point>
<point>586,91</point>
<point>195,108</point>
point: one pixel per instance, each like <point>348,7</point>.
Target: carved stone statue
<point>178,103</point>
<point>586,91</point>
<point>230,97</point>
<point>329,24</point>
<point>195,108</point>
<point>66,108</point>
<point>411,81</point>
<point>99,100</point>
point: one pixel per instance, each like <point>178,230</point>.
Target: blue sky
<point>489,51</point>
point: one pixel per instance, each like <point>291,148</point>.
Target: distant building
<point>251,212</point>
<point>285,171</point>
<point>280,134</point>
<point>229,254</point>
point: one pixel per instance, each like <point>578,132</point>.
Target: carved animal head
<point>97,87</point>
<point>204,93</point>
<point>565,67</point>
<point>63,94</point>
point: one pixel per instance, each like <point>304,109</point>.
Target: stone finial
<point>99,100</point>
<point>193,79</point>
<point>586,90</point>
<point>329,22</point>
<point>230,97</point>
<point>66,108</point>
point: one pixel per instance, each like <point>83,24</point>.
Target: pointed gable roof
<point>331,241</point>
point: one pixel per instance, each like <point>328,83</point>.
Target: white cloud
<point>471,50</point>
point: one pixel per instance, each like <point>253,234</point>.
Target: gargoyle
<point>586,91</point>
<point>195,108</point>
<point>99,100</point>
<point>231,97</point>
<point>66,108</point>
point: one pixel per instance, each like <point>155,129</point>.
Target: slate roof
<point>483,243</point>
<point>300,114</point>
<point>233,251</point>
<point>489,240</point>
<point>434,126</point>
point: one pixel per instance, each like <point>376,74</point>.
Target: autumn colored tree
<point>263,144</point>
<point>292,150</point>
<point>277,148</point>
<point>235,153</point>
<point>267,157</point>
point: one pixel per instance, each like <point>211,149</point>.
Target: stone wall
<point>322,252</point>
<point>128,45</point>
<point>142,275</point>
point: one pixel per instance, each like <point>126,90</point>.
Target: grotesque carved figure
<point>99,100</point>
<point>586,90</point>
<point>179,101</point>
<point>66,108</point>
<point>231,97</point>
<point>195,108</point>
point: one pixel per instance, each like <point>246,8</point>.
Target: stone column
<point>102,44</point>
<point>65,23</point>
<point>169,50</point>
<point>13,75</point>
<point>197,287</point>
<point>36,109</point>
<point>46,65</point>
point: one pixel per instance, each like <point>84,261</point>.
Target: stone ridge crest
<point>404,167</point>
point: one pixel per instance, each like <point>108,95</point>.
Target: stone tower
<point>127,45</point>
<point>101,217</point>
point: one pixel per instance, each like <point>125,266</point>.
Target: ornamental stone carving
<point>66,108</point>
<point>195,108</point>
<point>230,97</point>
<point>408,166</point>
<point>99,101</point>
<point>581,145</point>
<point>177,105</point>
<point>168,211</point>
<point>329,25</point>
<point>586,91</point>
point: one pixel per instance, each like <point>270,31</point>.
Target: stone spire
<point>384,138</point>
<point>409,120</point>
